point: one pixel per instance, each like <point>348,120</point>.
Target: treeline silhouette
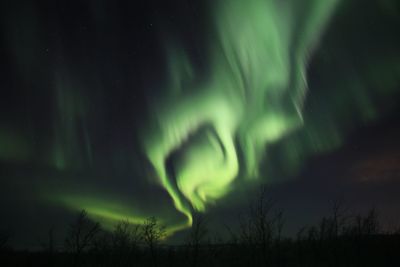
<point>340,239</point>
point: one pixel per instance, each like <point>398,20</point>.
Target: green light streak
<point>109,211</point>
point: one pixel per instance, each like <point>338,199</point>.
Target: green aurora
<point>252,97</point>
<point>247,119</point>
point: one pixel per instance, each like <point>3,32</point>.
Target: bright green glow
<point>253,96</point>
<point>109,211</point>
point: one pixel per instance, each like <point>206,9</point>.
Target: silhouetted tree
<point>152,234</point>
<point>81,236</point>
<point>280,222</point>
<point>371,223</point>
<point>124,242</point>
<point>363,225</point>
<point>196,237</point>
<point>126,236</point>
<point>260,227</point>
<point>49,246</point>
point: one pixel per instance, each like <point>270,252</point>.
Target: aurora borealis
<point>130,110</point>
<point>253,96</point>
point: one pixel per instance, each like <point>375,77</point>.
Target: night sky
<point>131,109</point>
